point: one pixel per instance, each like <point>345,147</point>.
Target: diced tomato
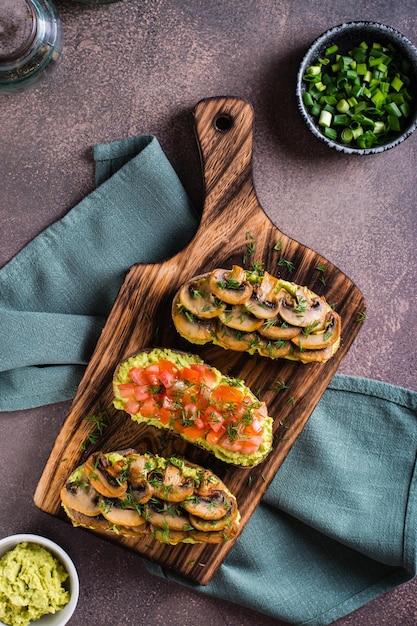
<point>167,403</point>
<point>190,374</point>
<point>137,375</point>
<point>141,393</point>
<point>255,428</point>
<point>163,391</point>
<point>213,438</point>
<point>149,408</point>
<point>249,447</point>
<point>224,393</point>
<point>190,411</point>
<point>165,364</point>
<point>214,418</point>
<point>233,446</point>
<point>208,377</point>
<point>199,423</point>
<point>164,416</point>
<point>126,390</point>
<point>151,373</point>
<point>132,406</point>
<point>192,432</point>
<point>167,377</point>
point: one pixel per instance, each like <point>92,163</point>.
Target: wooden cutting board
<point>233,229</point>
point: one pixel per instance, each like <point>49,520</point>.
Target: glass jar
<point>30,42</point>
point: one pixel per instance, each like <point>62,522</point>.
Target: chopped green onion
<point>331,50</point>
<point>325,118</point>
<point>359,97</point>
<point>330,133</point>
<point>347,135</point>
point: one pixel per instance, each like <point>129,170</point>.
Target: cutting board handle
<point>224,131</point>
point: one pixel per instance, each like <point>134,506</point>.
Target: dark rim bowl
<point>346,36</point>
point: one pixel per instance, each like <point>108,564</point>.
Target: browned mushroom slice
<point>304,308</point>
<point>115,512</point>
<point>94,523</point>
<point>325,337</point>
<point>276,329</point>
<point>230,286</point>
<point>171,485</point>
<point>105,476</point>
<point>315,356</point>
<point>210,507</point>
<point>138,464</point>
<point>194,329</point>
<point>275,349</point>
<point>239,318</point>
<point>215,537</point>
<point>79,495</point>
<point>138,493</point>
<point>209,483</point>
<point>197,298</point>
<point>210,525</point>
<point>231,339</point>
<point>166,515</point>
<point>133,531</point>
<point>264,300</point>
<point>171,537</point>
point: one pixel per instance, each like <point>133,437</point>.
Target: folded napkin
<point>336,527</point>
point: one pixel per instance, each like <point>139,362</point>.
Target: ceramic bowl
<point>62,617</point>
<point>346,36</point>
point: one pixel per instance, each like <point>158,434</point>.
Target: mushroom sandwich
<point>253,311</point>
<point>139,495</point>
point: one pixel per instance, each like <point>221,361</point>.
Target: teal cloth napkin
<point>336,527</point>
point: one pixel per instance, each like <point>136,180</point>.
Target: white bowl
<point>60,618</point>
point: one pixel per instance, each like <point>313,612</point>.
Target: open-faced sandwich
<point>137,495</point>
<point>179,392</point>
<point>255,312</point>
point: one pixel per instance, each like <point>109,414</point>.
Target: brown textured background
<point>140,66</point>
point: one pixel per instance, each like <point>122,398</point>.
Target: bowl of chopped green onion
<point>357,87</point>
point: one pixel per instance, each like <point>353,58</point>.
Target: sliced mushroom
<point>230,286</point>
<point>107,478</point>
<point>210,525</point>
<point>276,328</point>
<point>211,507</point>
<point>208,484</point>
<point>232,339</point>
<point>171,537</point>
<point>315,356</point>
<point>166,515</point>
<point>172,486</point>
<point>86,521</point>
<point>80,496</point>
<point>303,308</point>
<point>139,493</point>
<point>134,531</point>
<point>114,511</point>
<point>220,536</point>
<point>325,337</point>
<point>275,349</point>
<point>138,467</point>
<point>239,318</point>
<point>197,298</point>
<point>264,300</point>
<point>197,330</point>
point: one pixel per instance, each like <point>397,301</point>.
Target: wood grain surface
<point>234,229</point>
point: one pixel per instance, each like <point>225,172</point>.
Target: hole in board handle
<point>223,122</point>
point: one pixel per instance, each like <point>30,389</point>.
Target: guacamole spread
<point>31,584</point>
